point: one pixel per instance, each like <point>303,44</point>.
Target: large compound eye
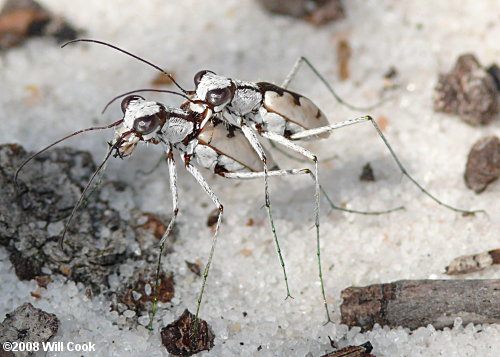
<point>199,75</point>
<point>126,101</point>
<point>219,96</point>
<point>147,124</point>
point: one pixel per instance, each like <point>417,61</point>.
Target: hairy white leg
<point>256,145</point>
<point>203,183</point>
<point>328,128</point>
<point>175,210</point>
<point>260,174</point>
<point>306,153</point>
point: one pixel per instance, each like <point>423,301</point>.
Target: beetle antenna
<point>31,157</point>
<point>131,55</point>
<point>145,90</point>
<point>82,196</point>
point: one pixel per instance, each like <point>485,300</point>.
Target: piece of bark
<point>416,303</point>
<point>27,324</point>
<point>98,241</point>
<point>472,263</point>
<point>468,91</point>
<point>483,164</point>
<point>353,351</point>
<point>48,187</point>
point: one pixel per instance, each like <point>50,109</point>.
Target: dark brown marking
<point>196,119</point>
<point>265,86</point>
<point>220,170</point>
<point>246,87</point>
<point>231,129</point>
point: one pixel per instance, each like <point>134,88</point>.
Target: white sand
<point>238,39</point>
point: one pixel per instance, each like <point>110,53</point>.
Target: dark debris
<point>33,218</point>
<point>483,164</point>
<point>367,173</point>
<point>27,324</point>
<point>468,91</point>
<point>317,12</point>
<point>22,19</point>
<point>467,264</point>
<point>213,217</point>
<point>138,295</point>
<point>494,72</point>
<point>362,350</point>
<point>98,243</point>
<point>391,73</point>
<point>178,340</point>
<point>194,268</point>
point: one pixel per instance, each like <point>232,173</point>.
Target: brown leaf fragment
<point>344,53</point>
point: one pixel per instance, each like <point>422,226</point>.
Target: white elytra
<point>301,116</point>
<point>224,146</point>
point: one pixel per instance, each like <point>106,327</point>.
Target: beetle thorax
<point>176,129</point>
<point>247,98</point>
